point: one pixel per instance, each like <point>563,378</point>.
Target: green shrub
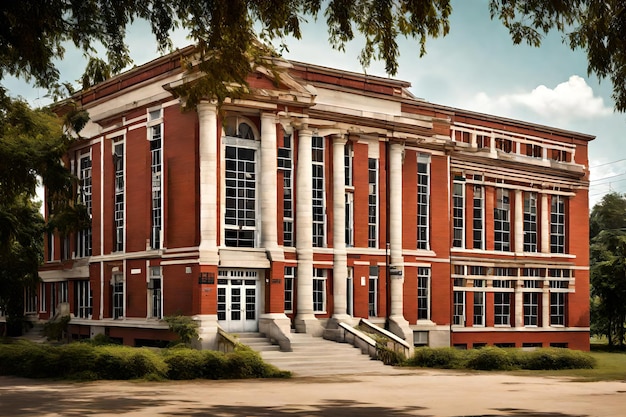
<point>246,363</point>
<point>184,326</point>
<point>491,359</point>
<point>445,358</point>
<point>555,358</point>
<point>184,363</point>
<point>213,364</point>
<point>82,361</point>
<point>56,329</point>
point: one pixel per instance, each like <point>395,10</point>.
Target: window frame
<point>502,221</point>
<point>530,222</point>
<point>423,201</point>
<point>288,293</point>
<point>558,224</point>
<point>423,293</point>
<point>320,277</point>
<point>372,292</point>
<point>373,203</point>
<point>458,213</point>
<point>318,188</point>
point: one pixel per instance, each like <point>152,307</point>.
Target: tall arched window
<point>241,183</point>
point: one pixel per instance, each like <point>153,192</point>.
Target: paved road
<point>393,393</point>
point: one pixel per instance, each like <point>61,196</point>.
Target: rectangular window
<point>155,292</point>
<point>372,218</point>
<point>290,275</point>
<point>458,318</point>
<point>423,293</point>
<point>42,297</point>
<point>285,163</point>
<point>504,145</point>
<point>349,231</point>
<point>347,162</point>
<point>63,292</point>
<point>502,221</point>
<point>319,202</point>
<point>350,292</point>
<point>156,155</point>
<point>530,222</point>
<point>531,303</point>
<point>534,151</point>
<point>557,308</point>
<point>118,296</point>
<point>241,184</point>
<point>423,196</point>
<point>502,304</point>
<point>479,303</point>
<point>83,244</point>
<point>83,299</point>
<point>373,292</point>
<point>30,300</point>
<point>319,290</point>
<point>479,309</point>
<point>458,214</point>
<point>479,217</point>
<point>119,209</point>
<point>557,225</point>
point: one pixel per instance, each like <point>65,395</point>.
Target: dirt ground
<point>394,393</point>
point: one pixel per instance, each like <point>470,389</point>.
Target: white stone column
<point>340,256</point>
<point>207,115</point>
<point>397,323</point>
<point>545,224</point>
<point>267,191</point>
<point>519,221</point>
<point>305,320</point>
<point>545,304</point>
<point>519,302</point>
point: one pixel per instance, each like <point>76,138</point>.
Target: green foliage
<point>56,329</point>
<point>607,225</point>
<point>185,328</point>
<point>84,361</point>
<point>445,358</point>
<point>557,359</point>
<point>492,358</point>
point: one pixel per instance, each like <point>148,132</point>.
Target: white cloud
<point>568,101</point>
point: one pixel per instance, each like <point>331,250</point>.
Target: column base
<point>207,331</point>
<point>277,328</point>
<point>307,323</point>
<point>399,326</point>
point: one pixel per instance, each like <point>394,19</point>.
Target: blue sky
<point>475,67</point>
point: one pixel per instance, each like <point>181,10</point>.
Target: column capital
<point>339,139</point>
<point>206,106</point>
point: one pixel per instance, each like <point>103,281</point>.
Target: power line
<point>609,177</point>
<point>607,163</point>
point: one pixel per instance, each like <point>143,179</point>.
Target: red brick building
<point>322,196</point>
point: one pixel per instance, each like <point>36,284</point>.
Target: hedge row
<point>493,358</point>
<point>84,361</point>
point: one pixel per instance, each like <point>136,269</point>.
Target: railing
<point>359,339</point>
<point>225,341</point>
<point>393,342</point>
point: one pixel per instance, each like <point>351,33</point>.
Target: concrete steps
<point>314,356</point>
<point>35,334</point>
<point>257,342</point>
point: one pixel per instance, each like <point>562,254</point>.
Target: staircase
<point>34,334</point>
<point>314,356</point>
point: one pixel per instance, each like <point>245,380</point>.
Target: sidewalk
<point>404,393</point>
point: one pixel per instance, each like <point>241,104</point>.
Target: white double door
<point>237,300</point>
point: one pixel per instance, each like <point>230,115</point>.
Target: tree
<point>32,145</point>
<point>608,268</point>
<point>34,33</point>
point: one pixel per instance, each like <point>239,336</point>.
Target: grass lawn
<point>610,366</point>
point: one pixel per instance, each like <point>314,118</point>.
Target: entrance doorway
<point>237,305</point>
